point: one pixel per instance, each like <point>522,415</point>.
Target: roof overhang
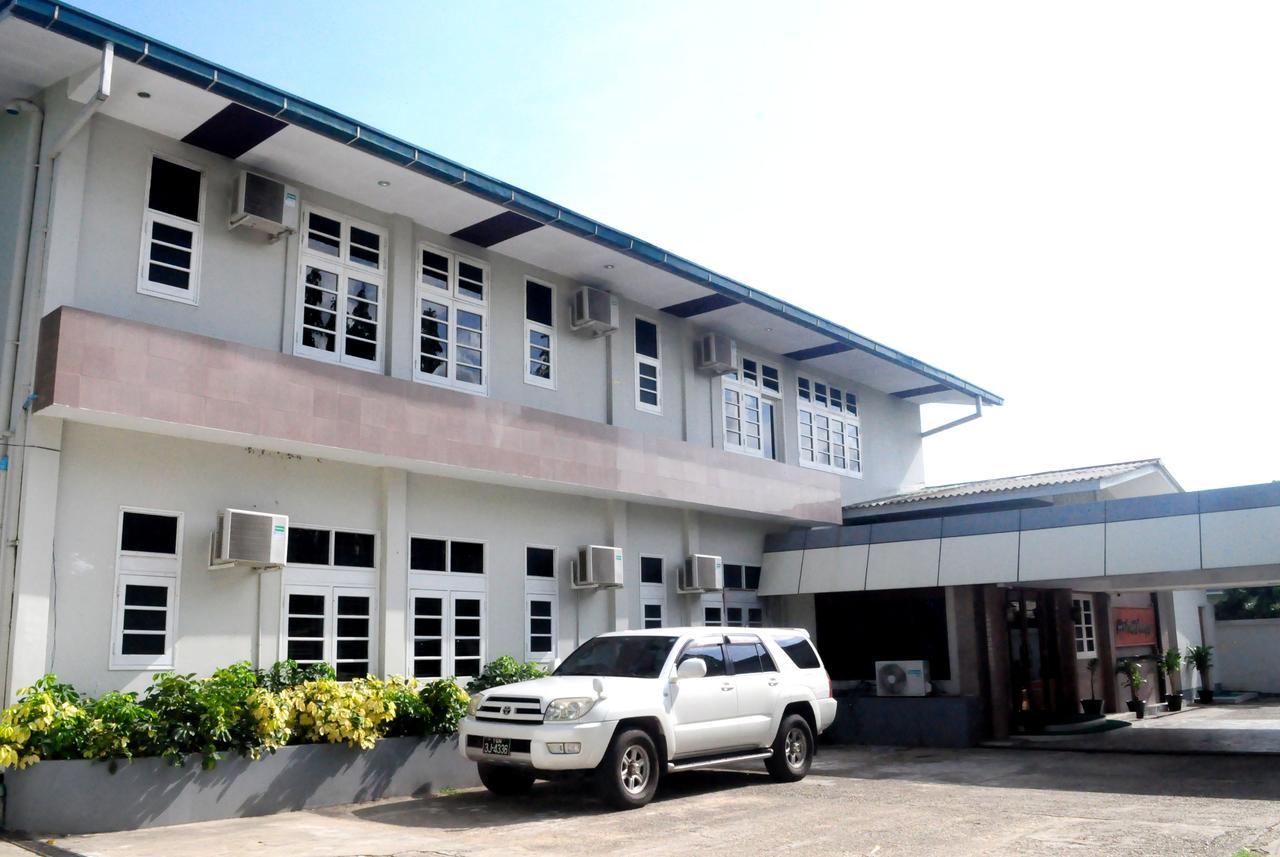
<point>42,43</point>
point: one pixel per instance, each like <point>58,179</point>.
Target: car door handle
<point>726,687</point>
<point>773,682</point>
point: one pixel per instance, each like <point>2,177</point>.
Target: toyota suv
<point>629,707</point>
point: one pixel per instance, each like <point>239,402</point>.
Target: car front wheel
<point>504,779</point>
<point>792,750</point>
<point>628,775</point>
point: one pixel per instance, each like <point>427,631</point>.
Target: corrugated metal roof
<point>1009,483</point>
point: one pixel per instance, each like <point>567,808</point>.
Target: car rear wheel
<point>792,750</point>
<point>628,775</point>
<point>504,779</point>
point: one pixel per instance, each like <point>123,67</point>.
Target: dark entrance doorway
<point>1037,691</point>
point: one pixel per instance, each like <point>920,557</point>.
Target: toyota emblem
<point>506,710</point>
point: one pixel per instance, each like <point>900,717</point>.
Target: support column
<point>997,657</point>
<point>1106,651</point>
<point>31,627</point>
<point>402,291</point>
<point>620,598</point>
<point>1068,701</point>
<point>689,541</point>
<point>394,570</point>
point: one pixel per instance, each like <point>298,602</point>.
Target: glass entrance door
<point>1032,656</point>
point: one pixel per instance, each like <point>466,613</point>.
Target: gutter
<point>18,274</point>
<point>247,92</point>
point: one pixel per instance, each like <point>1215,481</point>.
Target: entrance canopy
<point>1195,540</point>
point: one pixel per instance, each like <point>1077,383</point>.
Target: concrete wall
<point>1245,657</point>
<point>15,131</point>
<point>224,616</point>
<point>248,288</point>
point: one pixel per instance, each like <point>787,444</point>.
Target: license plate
<point>495,746</point>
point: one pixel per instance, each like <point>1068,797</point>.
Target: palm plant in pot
<point>1170,665</point>
<point>1092,705</point>
<point>1201,657</point>
<point>1130,672</point>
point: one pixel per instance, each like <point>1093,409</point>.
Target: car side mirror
<point>691,668</point>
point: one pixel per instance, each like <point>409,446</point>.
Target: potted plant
<point>1201,657</point>
<point>1130,672</point>
<point>1092,705</point>
<point>1170,665</point>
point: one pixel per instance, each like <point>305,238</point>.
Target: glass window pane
<point>470,281</point>
<point>305,651</point>
<point>353,605</point>
<point>466,558</point>
<point>745,658</point>
<point>171,235</point>
<point>142,644</point>
<point>752,576</point>
<point>732,576</point>
<point>309,547</point>
<point>306,626</point>
<point>646,338</point>
<point>353,549</point>
<point>650,569</point>
<point>171,256</point>
<point>306,605</point>
<point>435,270</point>
<point>143,532</point>
<point>174,189</point>
<point>168,276</point>
<point>537,302</point>
<point>540,562</point>
<point>427,555</point>
<point>144,620</point>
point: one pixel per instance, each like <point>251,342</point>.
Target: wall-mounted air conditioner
<point>594,311</point>
<point>264,204</point>
<point>902,678</point>
<point>717,354</point>
<point>598,567</point>
<point>701,573</point>
<point>254,539</point>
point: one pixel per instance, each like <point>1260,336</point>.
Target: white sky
<point>1074,205</point>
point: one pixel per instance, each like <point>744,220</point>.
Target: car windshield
<point>628,657</point>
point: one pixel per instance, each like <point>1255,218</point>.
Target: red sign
<point>1134,626</point>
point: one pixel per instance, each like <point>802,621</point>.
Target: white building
<point>219,296</point>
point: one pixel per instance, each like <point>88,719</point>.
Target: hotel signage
<point>1134,626</point>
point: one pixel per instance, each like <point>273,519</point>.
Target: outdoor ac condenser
<point>717,354</point>
<point>598,567</point>
<point>593,311</point>
<point>701,573</point>
<point>902,678</point>
<point>254,539</point>
<point>264,204</point>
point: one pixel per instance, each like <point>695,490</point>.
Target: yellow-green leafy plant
<point>356,713</point>
<point>46,722</point>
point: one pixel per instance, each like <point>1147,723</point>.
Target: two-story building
<point>217,295</point>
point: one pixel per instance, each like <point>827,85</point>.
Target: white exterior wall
<point>248,290</point>
<point>229,615</point>
<point>1245,655</point>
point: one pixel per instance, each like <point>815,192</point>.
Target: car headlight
<point>474,705</point>
<point>569,708</point>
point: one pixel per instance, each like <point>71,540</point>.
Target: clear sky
<point>1075,206</point>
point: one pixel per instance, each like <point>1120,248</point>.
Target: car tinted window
<point>800,651</point>
<point>630,657</point>
<point>712,653</point>
<point>766,660</point>
<point>745,658</point>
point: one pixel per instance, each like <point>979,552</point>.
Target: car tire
<point>505,780</point>
<point>628,775</point>
<point>792,750</point>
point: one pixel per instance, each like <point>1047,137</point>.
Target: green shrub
<point>46,722</point>
<point>411,712</point>
<point>290,673</point>
<point>444,703</point>
<point>504,670</point>
<point>116,726</point>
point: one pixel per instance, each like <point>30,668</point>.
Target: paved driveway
<point>1247,727</point>
<point>858,801</point>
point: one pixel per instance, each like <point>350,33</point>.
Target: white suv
<point>633,705</point>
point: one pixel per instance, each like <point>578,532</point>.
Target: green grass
<point>449,791</point>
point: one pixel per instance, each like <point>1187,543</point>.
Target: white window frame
<point>454,597</point>
<point>332,531</point>
<point>444,637</point>
<point>848,419</point>
<point>743,599</point>
<point>742,386</point>
<point>453,298</point>
<point>448,585</point>
<point>713,601</point>
<point>1085,631</point>
<point>661,604</point>
<point>531,327</point>
<point>331,592</point>
<point>145,569</point>
<point>653,593</point>
<point>345,270</point>
<point>190,296</point>
<point>654,363</point>
<point>543,589</point>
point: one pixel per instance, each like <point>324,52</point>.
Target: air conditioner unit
<point>902,678</point>
<point>266,205</point>
<point>253,539</point>
<point>594,311</point>
<point>598,567</point>
<point>701,573</point>
<point>717,354</point>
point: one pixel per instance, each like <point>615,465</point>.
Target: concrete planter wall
<point>92,797</point>
<point>903,721</point>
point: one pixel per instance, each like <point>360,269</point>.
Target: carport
<point>1036,587</point>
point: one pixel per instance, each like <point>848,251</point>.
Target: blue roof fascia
<point>95,31</point>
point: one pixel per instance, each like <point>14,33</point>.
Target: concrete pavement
<point>857,801</point>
